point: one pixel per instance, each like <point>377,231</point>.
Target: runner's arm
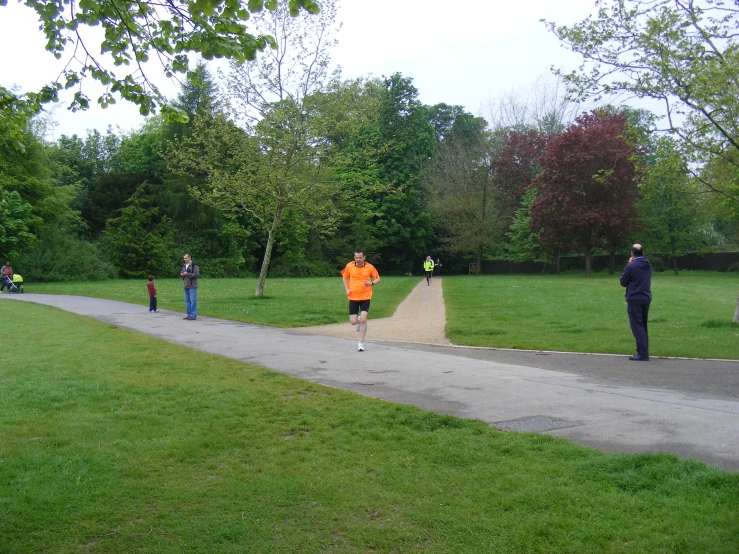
<point>346,285</point>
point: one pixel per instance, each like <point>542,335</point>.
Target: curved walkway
<point>420,318</point>
<point>579,397</point>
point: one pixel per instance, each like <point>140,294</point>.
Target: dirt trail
<point>419,318</point>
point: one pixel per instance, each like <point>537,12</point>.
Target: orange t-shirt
<point>357,276</point>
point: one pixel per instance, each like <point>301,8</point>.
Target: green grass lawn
<point>113,441</point>
<point>691,314</point>
<point>286,302</point>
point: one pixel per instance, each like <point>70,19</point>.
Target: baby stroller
<point>14,284</point>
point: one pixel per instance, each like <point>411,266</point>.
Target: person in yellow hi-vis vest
<point>428,269</point>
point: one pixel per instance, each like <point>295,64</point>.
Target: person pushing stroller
<point>6,276</point>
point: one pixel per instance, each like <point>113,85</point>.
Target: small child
<point>152,294</point>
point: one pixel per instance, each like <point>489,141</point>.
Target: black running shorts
<point>356,306</point>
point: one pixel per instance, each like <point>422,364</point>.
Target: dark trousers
<point>152,304</point>
<point>428,277</point>
<point>638,319</point>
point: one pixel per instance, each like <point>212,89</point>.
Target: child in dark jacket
<point>152,294</point>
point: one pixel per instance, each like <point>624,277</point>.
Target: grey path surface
<point>686,407</point>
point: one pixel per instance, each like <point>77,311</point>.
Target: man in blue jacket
<point>637,278</point>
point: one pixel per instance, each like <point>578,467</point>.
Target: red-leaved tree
<point>515,170</point>
<point>588,186</point>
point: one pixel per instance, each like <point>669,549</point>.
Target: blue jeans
<point>191,302</point>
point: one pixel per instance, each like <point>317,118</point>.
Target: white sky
<point>464,53</point>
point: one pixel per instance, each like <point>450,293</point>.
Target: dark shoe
<point>638,358</point>
<point>190,318</point>
<point>185,318</point>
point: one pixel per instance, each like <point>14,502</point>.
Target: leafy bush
<point>658,264</point>
<point>303,268</point>
<point>734,267</point>
<point>60,256</point>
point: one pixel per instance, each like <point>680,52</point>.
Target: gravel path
<point>420,318</point>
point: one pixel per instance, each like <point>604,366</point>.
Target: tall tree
<point>380,166</point>
<point>263,176</point>
<point>588,186</point>
<point>523,243</point>
<point>15,218</point>
<point>681,53</point>
<point>282,165</point>
<point>516,167</point>
<point>138,241</point>
<point>542,106</point>
<point>297,66</point>
<point>454,122</point>
<point>134,32</point>
<point>462,194</point>
<point>199,96</point>
<point>669,205</point>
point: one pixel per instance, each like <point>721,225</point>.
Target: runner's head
<point>359,258</point>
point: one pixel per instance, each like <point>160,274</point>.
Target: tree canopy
<point>682,53</point>
<point>134,33</point>
<point>588,186</point>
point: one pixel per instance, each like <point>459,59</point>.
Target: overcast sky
<point>456,52</point>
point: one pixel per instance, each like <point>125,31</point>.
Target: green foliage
<point>522,242</point>
<point>59,255</point>
<point>138,242</point>
<point>669,204</point>
<point>133,33</point>
<point>15,115</point>
<point>380,168</point>
<point>33,174</point>
<point>15,218</point>
<point>683,55</point>
<point>462,194</point>
<point>198,97</point>
<point>224,249</point>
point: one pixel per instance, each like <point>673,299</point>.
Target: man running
<point>428,269</point>
<point>359,277</point>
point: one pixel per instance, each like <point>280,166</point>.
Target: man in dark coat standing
<point>637,278</point>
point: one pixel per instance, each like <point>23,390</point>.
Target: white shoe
<point>357,327</point>
<point>360,347</point>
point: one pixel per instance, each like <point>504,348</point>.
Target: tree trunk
<point>674,264</point>
<point>612,262</point>
<point>556,261</point>
<point>268,253</point>
<point>588,262</point>
<point>736,313</point>
<point>479,259</point>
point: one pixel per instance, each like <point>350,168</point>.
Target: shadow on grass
<point>719,323</point>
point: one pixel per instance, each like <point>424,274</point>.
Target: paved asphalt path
<point>685,407</point>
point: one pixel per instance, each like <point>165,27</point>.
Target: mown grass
<point>112,441</point>
<point>286,302</point>
<point>691,314</point>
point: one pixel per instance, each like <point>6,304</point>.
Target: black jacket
<point>637,278</point>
